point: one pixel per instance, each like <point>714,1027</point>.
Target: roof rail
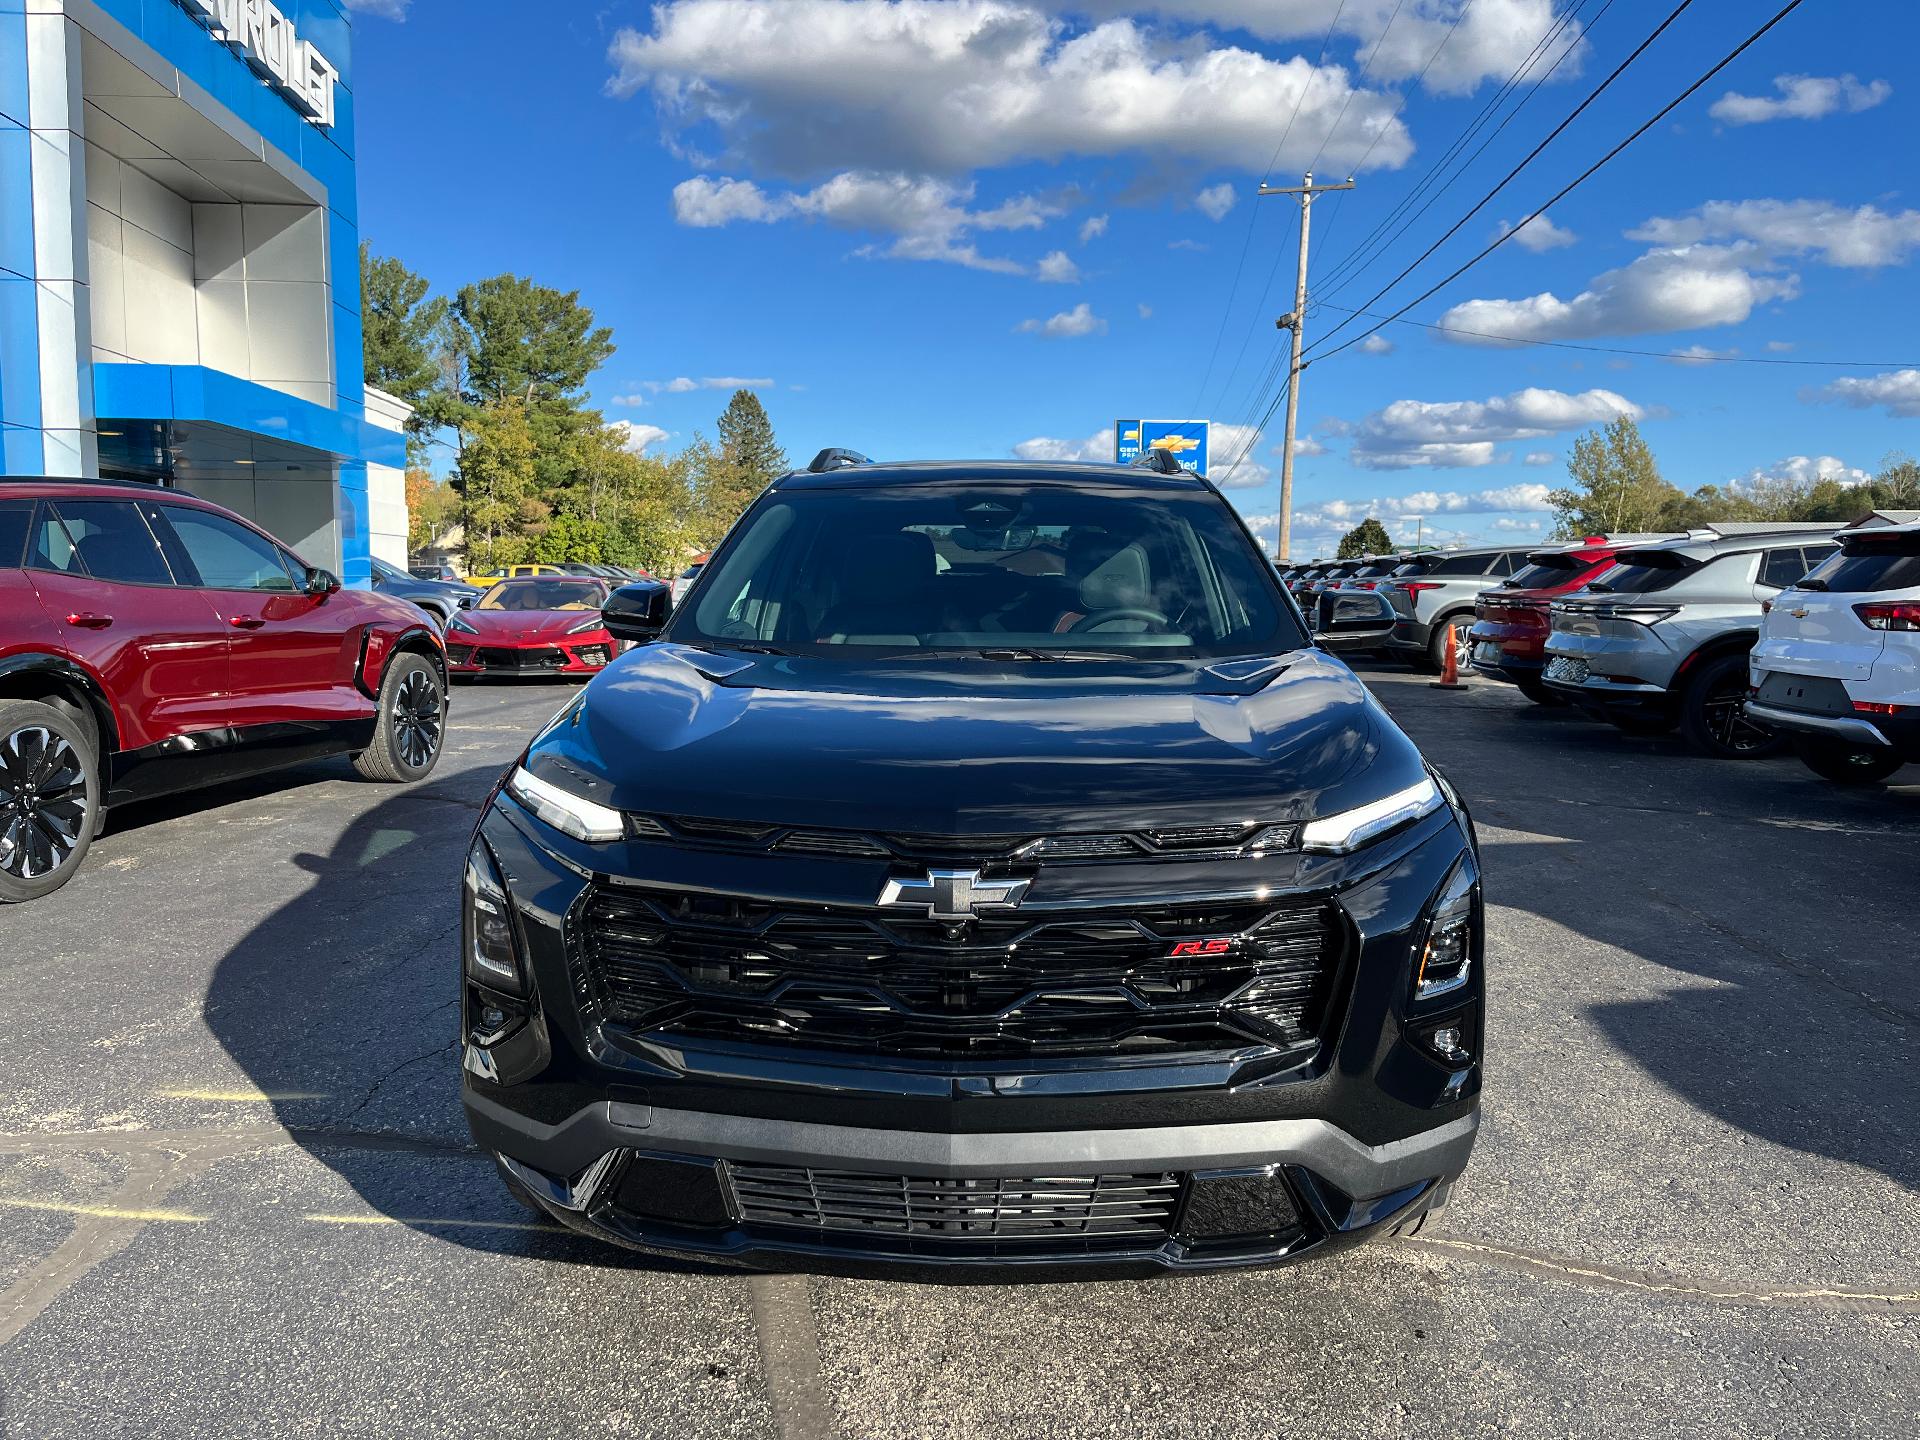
<point>835,458</point>
<point>77,480</point>
<point>1161,462</point>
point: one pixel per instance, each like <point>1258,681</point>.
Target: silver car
<point>1433,590</point>
<point>1661,639</point>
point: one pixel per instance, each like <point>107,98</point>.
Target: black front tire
<point>410,724</point>
<point>1846,764</point>
<point>1437,645</point>
<point>49,798</point>
<point>1713,713</point>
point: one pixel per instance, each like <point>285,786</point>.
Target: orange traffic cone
<point>1450,667</point>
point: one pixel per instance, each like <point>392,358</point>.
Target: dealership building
<point>179,263</point>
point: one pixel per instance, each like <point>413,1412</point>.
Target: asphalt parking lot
<point>236,1195</point>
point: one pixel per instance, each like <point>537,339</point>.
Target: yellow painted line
<point>106,1212</point>
<point>243,1097</point>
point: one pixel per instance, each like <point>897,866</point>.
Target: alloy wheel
<point>417,719</point>
<point>1729,724</point>
<point>43,802</point>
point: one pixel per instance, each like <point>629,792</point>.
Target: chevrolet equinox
<point>981,867</point>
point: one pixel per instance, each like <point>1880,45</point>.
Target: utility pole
<point>1297,323</point>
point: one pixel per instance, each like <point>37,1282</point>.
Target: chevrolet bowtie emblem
<point>952,894</point>
<point>1798,614</point>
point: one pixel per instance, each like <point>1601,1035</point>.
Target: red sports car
<point>538,625</point>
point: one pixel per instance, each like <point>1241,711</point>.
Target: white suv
<point>1838,663</point>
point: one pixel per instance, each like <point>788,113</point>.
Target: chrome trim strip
<point>1863,731</point>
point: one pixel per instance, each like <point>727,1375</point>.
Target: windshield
<point>544,594</point>
<point>1038,570</point>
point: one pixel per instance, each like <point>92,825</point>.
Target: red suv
<point>1511,622</point>
<point>152,642</point>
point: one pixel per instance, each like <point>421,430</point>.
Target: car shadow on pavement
<point>342,1007</point>
<point>1777,902</point>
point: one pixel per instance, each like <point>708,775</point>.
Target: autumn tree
<point>1614,485</point>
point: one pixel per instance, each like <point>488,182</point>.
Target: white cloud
<point>1801,97</point>
<point>1539,457</point>
<point>1092,228</point>
<point>1146,311</point>
<point>929,219</point>
<point>1494,37</point>
<point>628,400</point>
<point>1410,434</point>
<point>1425,504</point>
<point>385,9</point>
<point>1860,238</point>
<point>1897,390</point>
<point>683,384</point>
<point>1304,447</point>
<point>1057,266</point>
<point>795,87</point>
<point>637,437</point>
<point>1097,446</point>
<point>1225,443</point>
<point>1801,470</point>
<point>1779,347</point>
<point>1215,201</point>
<point>1376,344</point>
<point>1067,325</point>
<point>1509,525</point>
<point>1184,243</point>
<point>1540,235</point>
<point>1677,289</point>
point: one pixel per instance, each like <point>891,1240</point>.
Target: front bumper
<point>1366,1132</point>
<point>1611,671</point>
<point>668,1181</point>
<point>466,656</point>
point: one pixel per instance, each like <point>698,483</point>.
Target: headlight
<point>1348,831</point>
<point>492,957</point>
<point>1446,959</point>
<point>592,622</point>
<point>569,814</point>
<point>459,622</point>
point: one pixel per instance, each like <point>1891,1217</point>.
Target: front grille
<point>1108,982</point>
<point>495,657</point>
<point>1181,843</point>
<point>1114,1209</point>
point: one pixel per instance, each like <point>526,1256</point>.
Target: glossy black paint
<point>212,757</point>
<point>639,611</point>
<point>974,747</point>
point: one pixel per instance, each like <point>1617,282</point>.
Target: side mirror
<point>321,583</point>
<point>1352,620</point>
<point>638,612</point>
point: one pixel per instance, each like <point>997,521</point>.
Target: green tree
<point>503,511</point>
<point>746,440</point>
<point>528,343</point>
<point>1614,484</point>
<point>433,508</point>
<point>1369,537</point>
<point>400,329</point>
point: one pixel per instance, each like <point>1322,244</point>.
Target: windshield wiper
<point>1024,652</point>
<point>754,647</point>
<point>1807,582</point>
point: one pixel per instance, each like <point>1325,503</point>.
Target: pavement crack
<point>381,1080</point>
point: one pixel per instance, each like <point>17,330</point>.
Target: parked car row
<point>1748,638</point>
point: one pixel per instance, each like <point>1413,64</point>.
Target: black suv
<point>982,867</point>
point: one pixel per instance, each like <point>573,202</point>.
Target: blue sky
<point>928,228</point>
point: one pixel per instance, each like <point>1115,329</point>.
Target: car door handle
<point>246,622</point>
<point>87,620</point>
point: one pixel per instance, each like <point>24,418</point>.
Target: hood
<point>978,749</point>
<point>502,626</point>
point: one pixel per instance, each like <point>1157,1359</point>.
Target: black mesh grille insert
<point>1115,1209</point>
<point>1121,982</point>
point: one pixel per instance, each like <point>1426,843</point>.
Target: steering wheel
<point>1128,612</point>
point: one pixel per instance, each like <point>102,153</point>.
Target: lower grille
<point>1111,1208</point>
<point>494,657</point>
<point>1112,983</point>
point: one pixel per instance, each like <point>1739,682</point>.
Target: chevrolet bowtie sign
<point>265,39</point>
<point>953,894</point>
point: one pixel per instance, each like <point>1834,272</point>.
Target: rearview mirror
<point>639,611</point>
<point>321,583</point>
<point>1352,620</point>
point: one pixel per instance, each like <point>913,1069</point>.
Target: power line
<point>1253,212</point>
<point>1681,355</point>
<point>1354,89</point>
<point>1340,271</point>
<point>1579,179</point>
<point>1525,161</point>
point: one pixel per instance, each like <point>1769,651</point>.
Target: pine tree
<point>1369,537</point>
<point>400,329</point>
<point>747,443</point>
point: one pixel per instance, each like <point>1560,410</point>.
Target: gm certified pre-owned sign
<point>266,39</point>
<point>1185,440</point>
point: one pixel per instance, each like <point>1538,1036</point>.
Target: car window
<point>1640,572</point>
<point>228,555</point>
<point>1458,565</point>
<point>1782,567</point>
<point>1502,565</point>
<point>1872,563</point>
<point>544,593</point>
<point>112,542</point>
<point>16,519</point>
<point>49,547</point>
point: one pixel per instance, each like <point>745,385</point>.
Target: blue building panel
<point>13,66</point>
<point>19,352</point>
<point>16,194</point>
